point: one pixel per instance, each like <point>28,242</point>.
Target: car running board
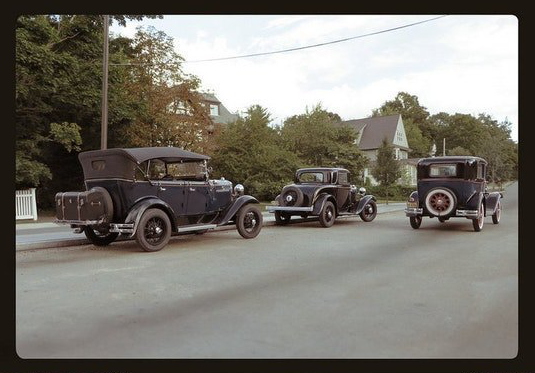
<point>195,227</point>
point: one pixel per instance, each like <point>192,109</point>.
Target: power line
<point>316,45</point>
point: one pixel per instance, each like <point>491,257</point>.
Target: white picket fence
<point>25,204</point>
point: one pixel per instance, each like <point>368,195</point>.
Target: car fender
<point>491,202</point>
<point>320,202</point>
<point>238,203</point>
<point>414,196</point>
<point>134,216</point>
<point>363,201</point>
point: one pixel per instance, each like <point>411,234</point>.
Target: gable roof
<point>224,116</point>
<point>375,129</point>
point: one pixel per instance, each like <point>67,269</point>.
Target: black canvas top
<point>139,155</point>
<point>122,163</point>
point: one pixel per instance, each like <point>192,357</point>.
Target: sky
<point>457,64</point>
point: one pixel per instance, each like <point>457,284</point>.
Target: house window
<point>214,109</point>
<point>397,153</point>
<point>399,136</point>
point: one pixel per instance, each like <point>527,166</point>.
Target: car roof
<point>449,159</point>
<point>139,155</point>
<point>322,169</point>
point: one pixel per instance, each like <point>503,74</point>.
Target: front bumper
<point>289,208</point>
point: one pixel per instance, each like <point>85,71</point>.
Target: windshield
<point>193,170</point>
<point>311,177</point>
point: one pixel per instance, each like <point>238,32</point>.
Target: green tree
<point>386,169</point>
<point>318,139</point>
<point>458,150</point>
<point>58,72</point>
<point>170,110</point>
<point>250,152</point>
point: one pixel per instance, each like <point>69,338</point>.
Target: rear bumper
<point>77,222</point>
<point>289,208</point>
<point>413,211</point>
<point>467,213</point>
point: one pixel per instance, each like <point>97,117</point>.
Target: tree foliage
<point>250,152</point>
<point>387,169</point>
<point>318,139</point>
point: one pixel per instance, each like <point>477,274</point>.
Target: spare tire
<point>440,202</point>
<point>291,196</point>
<point>107,201</point>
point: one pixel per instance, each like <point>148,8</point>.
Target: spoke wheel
<point>496,216</point>
<point>327,215</point>
<point>282,218</point>
<point>415,221</point>
<point>154,230</point>
<point>440,202</point>
<point>480,220</point>
<point>249,221</point>
<point>98,238</point>
<point>369,212</point>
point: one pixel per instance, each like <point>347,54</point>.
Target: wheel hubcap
<point>440,202</point>
<point>250,221</point>
<point>154,230</point>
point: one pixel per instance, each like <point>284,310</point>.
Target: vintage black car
<point>323,192</point>
<point>150,193</point>
<point>453,186</point>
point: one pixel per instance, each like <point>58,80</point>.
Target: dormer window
<point>214,109</point>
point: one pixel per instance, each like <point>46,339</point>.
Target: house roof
<point>375,129</point>
<point>224,116</point>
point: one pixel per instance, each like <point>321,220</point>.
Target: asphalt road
<point>365,290</point>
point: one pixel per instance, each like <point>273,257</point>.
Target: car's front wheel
<point>282,218</point>
<point>369,212</point>
<point>98,238</point>
<point>249,221</point>
<point>415,221</point>
<point>327,215</point>
<point>154,230</point>
<point>479,221</point>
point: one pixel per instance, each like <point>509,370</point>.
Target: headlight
<point>238,189</point>
<point>362,190</point>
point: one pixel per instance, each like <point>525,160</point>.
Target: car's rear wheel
<point>154,230</point>
<point>282,218</point>
<point>480,220</point>
<point>327,215</point>
<point>497,214</point>
<point>99,238</point>
<point>415,221</point>
<point>249,221</point>
<point>369,212</point>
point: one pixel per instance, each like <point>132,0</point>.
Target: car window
<point>311,177</point>
<point>187,170</point>
<point>343,178</point>
<point>443,170</point>
<point>156,169</point>
<point>481,171</point>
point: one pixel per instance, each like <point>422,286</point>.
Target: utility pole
<point>104,104</point>
<point>444,147</point>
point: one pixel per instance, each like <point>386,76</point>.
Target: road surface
<point>363,290</point>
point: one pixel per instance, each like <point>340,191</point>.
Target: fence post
<point>34,204</point>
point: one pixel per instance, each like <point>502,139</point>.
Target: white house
<point>370,134</point>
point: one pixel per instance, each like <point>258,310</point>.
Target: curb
<point>84,241</point>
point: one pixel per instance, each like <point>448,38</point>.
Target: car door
<point>198,193</point>
<point>343,190</point>
<point>173,192</point>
